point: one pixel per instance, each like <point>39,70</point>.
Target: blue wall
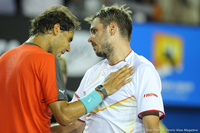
<point>174,50</point>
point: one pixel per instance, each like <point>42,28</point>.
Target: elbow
<point>64,120</point>
<point>61,112</point>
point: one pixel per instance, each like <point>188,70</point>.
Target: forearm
<point>65,113</point>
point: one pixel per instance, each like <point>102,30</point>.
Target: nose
<point>91,39</point>
<point>68,48</point>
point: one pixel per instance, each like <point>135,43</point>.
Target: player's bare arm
<point>151,122</point>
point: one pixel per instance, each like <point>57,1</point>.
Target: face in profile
<point>61,43</point>
<point>100,39</point>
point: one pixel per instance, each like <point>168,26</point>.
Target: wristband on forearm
<point>91,100</point>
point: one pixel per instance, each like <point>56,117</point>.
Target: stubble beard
<point>106,48</point>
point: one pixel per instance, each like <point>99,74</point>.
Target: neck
<point>119,53</point>
<point>39,40</point>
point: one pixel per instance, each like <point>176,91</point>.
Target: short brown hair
<point>44,22</point>
<point>118,14</point>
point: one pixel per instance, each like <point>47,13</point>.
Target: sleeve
<point>52,81</point>
<point>60,82</point>
<point>148,93</point>
<point>80,91</point>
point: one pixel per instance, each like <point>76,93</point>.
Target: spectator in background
<point>180,11</point>
<point>145,10</point>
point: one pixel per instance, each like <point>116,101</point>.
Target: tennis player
<point>137,107</point>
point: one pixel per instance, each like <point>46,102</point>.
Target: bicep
<point>148,91</point>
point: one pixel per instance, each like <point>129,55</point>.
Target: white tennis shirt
<point>121,111</point>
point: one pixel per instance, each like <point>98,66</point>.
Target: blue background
<point>182,109</point>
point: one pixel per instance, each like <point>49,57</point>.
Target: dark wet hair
<point>44,22</point>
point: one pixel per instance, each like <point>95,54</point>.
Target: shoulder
<point>142,66</point>
<point>141,63</point>
<point>42,56</point>
<point>42,60</point>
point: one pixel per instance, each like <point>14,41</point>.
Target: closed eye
<point>70,39</point>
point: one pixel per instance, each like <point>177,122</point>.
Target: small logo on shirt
<point>76,95</point>
<point>150,94</point>
<point>89,99</point>
<point>62,91</point>
<point>43,100</point>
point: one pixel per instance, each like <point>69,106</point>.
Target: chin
<point>59,55</point>
<point>101,54</point>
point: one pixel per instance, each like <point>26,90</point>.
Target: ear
<point>56,29</point>
<point>113,28</point>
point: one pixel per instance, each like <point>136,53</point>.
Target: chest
<point>123,97</point>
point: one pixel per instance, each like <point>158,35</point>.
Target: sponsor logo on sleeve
<point>150,95</point>
<point>76,95</point>
<point>62,91</point>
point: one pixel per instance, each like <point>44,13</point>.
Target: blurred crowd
<point>167,11</point>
